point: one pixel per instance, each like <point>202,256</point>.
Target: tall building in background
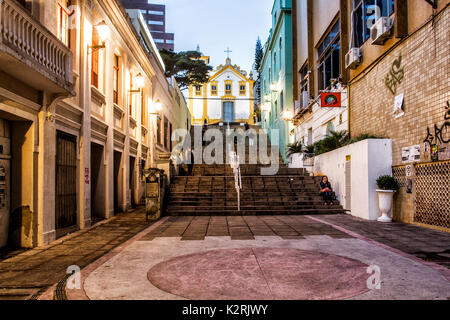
<point>155,16</point>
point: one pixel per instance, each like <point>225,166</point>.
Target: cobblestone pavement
<point>26,274</point>
<point>426,244</point>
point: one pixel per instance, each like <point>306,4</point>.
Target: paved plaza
<point>236,258</point>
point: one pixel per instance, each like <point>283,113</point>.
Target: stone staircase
<point>210,190</point>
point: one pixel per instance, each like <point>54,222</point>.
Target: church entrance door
<point>228,111</point>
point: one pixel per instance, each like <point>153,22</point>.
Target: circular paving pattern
<point>261,274</point>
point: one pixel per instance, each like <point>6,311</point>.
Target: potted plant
<point>387,186</point>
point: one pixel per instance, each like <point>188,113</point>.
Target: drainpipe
<point>348,110</point>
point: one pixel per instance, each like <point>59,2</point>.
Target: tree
<point>259,54</point>
<point>186,67</point>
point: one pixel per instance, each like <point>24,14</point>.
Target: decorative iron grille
<point>399,173</point>
<point>432,201</point>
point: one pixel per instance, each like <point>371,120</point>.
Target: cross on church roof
<point>228,51</point>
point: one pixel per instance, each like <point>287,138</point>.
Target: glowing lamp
<point>103,31</point>
<point>140,81</point>
<point>274,87</point>
<point>287,115</point>
<point>158,106</point>
<point>265,107</point>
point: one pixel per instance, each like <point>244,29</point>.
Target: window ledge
<point>98,96</point>
<point>133,122</point>
<point>118,110</point>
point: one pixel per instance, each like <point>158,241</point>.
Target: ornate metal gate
<point>432,201</point>
<point>66,175</point>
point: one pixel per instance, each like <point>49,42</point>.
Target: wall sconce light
<point>103,34</point>
<point>140,83</point>
<point>274,87</point>
<point>287,115</point>
<point>157,107</point>
<point>103,31</point>
<point>265,107</point>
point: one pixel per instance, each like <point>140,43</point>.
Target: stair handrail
<point>235,165</point>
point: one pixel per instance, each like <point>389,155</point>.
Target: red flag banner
<point>330,99</point>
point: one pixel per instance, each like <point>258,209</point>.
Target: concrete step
<point>231,212</point>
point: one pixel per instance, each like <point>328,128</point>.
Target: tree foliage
<point>259,54</point>
<point>294,148</point>
<point>338,140</point>
<point>186,67</point>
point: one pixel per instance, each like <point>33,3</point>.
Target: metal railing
<point>21,32</point>
<point>235,165</point>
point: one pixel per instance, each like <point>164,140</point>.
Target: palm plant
<point>294,148</point>
<point>309,151</point>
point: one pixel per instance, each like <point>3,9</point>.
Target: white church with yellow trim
<point>226,98</point>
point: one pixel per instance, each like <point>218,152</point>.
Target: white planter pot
<point>385,199</point>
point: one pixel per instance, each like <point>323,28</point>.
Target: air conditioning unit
<point>381,30</point>
<point>353,58</point>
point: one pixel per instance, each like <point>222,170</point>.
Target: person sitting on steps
<point>326,191</point>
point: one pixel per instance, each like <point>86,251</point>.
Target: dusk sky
<point>217,24</point>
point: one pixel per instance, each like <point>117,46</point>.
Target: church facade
<point>226,98</point>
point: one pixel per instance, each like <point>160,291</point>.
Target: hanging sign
<point>330,99</point>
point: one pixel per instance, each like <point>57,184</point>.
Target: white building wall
<point>318,121</point>
<point>369,159</point>
<point>198,108</point>
<point>241,107</point>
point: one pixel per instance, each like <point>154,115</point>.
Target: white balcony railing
<point>30,39</point>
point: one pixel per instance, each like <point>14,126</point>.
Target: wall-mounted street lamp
<point>265,107</point>
<point>156,108</point>
<point>103,32</point>
<point>139,80</point>
<point>274,87</point>
<point>287,115</point>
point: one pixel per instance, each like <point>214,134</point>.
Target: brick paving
<point>426,244</point>
<point>242,228</point>
<point>27,273</point>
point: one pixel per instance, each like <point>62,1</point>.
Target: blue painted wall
<point>277,69</point>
